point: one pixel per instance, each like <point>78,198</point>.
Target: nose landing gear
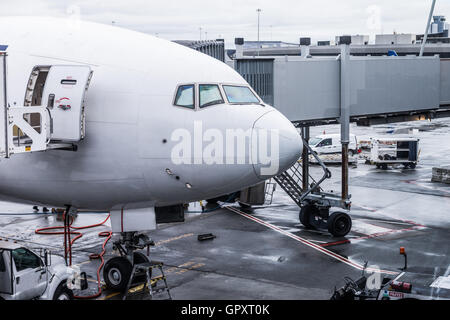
<point>118,270</point>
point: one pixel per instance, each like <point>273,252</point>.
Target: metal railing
<point>291,180</point>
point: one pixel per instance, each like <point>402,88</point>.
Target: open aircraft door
<point>52,116</point>
<point>64,95</point>
<point>3,106</point>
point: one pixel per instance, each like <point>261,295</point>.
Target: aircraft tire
<point>305,215</point>
<point>140,258</point>
<point>339,224</point>
<point>117,273</point>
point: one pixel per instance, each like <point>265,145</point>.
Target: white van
<point>331,143</point>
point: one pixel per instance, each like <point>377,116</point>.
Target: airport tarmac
<point>265,253</point>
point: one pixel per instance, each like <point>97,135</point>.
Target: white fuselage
<point>130,118</point>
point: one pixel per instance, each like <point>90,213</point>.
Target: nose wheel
<point>116,273</point>
<point>118,270</point>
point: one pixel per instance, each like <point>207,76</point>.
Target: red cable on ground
<point>69,242</point>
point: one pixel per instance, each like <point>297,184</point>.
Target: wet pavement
<point>266,253</point>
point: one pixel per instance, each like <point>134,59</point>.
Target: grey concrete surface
<point>249,260</point>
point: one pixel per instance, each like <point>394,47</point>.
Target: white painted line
<point>441,283</point>
<point>309,243</point>
<point>367,229</point>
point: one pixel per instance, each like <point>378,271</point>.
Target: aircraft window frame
<point>195,88</point>
<point>222,101</point>
<point>223,85</point>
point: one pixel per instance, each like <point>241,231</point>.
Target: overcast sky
<point>285,20</point>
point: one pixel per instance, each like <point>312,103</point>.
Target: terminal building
<point>403,44</point>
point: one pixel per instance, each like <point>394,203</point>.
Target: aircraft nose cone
<point>276,145</point>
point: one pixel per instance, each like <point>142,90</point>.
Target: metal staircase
<point>291,181</point>
<point>316,204</point>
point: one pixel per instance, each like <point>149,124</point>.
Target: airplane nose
<point>276,145</point>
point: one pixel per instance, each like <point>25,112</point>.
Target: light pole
<point>200,33</point>
<point>259,14</point>
<point>425,36</point>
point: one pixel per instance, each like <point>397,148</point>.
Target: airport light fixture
<point>425,36</point>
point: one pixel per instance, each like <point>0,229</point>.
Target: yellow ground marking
<point>187,264</point>
<point>190,265</point>
<point>109,296</point>
<point>172,269</point>
<point>134,289</point>
<point>187,235</point>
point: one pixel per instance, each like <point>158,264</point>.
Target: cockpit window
<point>240,95</point>
<point>185,96</point>
<point>210,95</point>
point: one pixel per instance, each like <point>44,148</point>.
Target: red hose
<point>69,242</point>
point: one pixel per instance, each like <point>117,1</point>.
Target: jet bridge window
<point>185,96</point>
<point>210,95</point>
<point>240,95</point>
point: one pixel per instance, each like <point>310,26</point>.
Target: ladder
<point>145,271</point>
<point>269,191</point>
<point>291,181</point>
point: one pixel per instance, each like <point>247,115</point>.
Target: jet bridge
<point>330,90</point>
<point>308,90</point>
<point>53,113</point>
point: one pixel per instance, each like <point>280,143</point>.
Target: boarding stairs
<point>52,115</point>
<point>148,285</point>
<point>291,181</point>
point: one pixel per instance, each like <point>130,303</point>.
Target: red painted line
<point>331,244</point>
<point>380,234</point>
<point>309,243</point>
<point>416,226</point>
<point>370,236</point>
<point>413,223</point>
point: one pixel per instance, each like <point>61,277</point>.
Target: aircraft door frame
<point>64,89</point>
